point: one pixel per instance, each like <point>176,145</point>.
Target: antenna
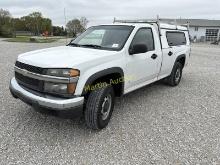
<point>65,22</point>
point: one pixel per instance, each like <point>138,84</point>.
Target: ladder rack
<point>135,21</point>
<point>157,22</point>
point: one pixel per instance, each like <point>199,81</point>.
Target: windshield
<point>107,37</point>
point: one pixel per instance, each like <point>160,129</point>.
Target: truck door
<point>144,67</point>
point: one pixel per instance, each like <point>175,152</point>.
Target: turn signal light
<point>71,88</point>
<point>74,73</point>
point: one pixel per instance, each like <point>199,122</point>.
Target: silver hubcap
<point>106,107</point>
<point>177,75</point>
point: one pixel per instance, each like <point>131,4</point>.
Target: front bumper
<point>48,102</point>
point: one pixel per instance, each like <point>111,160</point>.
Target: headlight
<point>63,72</point>
<point>59,88</point>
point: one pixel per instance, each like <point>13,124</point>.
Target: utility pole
<point>37,27</point>
<point>13,24</point>
<point>65,23</point>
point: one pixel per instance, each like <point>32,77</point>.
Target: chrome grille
<point>28,82</point>
<point>30,68</point>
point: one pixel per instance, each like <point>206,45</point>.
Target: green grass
<point>19,39</point>
<point>27,39</point>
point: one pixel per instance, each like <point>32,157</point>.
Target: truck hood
<point>63,56</point>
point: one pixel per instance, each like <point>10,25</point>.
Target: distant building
<point>200,30</point>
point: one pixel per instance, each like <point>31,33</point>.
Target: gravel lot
<point>157,124</point>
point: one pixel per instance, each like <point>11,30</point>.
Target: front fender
<point>100,74</point>
<point>93,74</point>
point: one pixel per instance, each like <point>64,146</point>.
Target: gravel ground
<point>157,124</point>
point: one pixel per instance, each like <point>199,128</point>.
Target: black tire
<point>94,110</point>
<point>176,75</point>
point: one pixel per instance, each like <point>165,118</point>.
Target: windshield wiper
<point>92,46</point>
<point>73,44</point>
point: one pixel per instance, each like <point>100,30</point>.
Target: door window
<point>144,36</point>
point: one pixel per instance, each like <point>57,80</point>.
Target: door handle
<point>154,56</point>
<point>170,53</point>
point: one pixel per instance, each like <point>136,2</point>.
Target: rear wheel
<point>176,75</point>
<point>99,107</point>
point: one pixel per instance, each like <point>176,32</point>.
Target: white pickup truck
<point>104,62</point>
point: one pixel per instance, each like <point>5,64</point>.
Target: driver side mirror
<point>137,49</point>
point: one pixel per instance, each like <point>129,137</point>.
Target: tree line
<point>36,24</point>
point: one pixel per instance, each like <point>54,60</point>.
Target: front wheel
<point>99,107</point>
<point>176,75</point>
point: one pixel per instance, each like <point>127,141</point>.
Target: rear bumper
<point>47,102</point>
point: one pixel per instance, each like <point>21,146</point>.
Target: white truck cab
<point>104,62</point>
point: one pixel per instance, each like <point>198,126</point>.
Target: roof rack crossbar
<point>134,21</point>
<point>157,22</point>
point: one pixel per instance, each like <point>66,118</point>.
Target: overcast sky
<point>103,11</point>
